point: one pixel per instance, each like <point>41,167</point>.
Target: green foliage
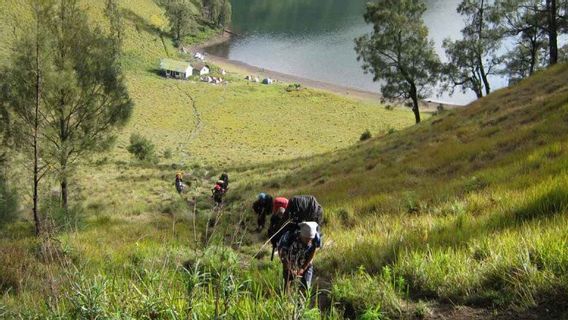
<point>472,59</point>
<point>89,298</point>
<point>168,153</point>
<point>369,297</point>
<point>366,135</point>
<point>141,148</point>
<point>218,12</point>
<point>77,96</point>
<point>399,51</point>
<point>182,15</point>
<point>294,87</point>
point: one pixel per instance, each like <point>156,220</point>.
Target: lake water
<point>314,39</point>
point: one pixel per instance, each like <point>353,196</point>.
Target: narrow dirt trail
<point>197,122</point>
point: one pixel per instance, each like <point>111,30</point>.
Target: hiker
<point>225,179</point>
<point>180,186</point>
<point>220,188</point>
<point>262,207</point>
<point>218,191</point>
<point>302,209</point>
<point>297,249</point>
<point>276,228</point>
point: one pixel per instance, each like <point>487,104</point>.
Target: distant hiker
<point>297,249</point>
<point>277,228</point>
<point>225,179</point>
<point>220,188</point>
<point>262,207</point>
<point>218,192</point>
<point>180,186</point>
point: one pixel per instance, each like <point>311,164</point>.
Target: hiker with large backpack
<point>262,207</point>
<point>180,186</point>
<point>298,209</point>
<point>218,192</point>
<point>297,249</point>
<point>220,188</point>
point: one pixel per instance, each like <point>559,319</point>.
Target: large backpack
<point>304,208</point>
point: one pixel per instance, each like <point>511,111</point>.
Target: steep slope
<point>469,207</point>
<point>129,233</point>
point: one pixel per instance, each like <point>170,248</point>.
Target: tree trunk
<point>477,88</point>
<point>35,136</point>
<point>552,31</point>
<point>484,77</point>
<point>64,191</point>
<point>414,97</point>
<point>63,136</point>
<point>479,53</point>
<point>534,52</point>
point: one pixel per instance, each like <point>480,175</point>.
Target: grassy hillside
<point>131,247</point>
<point>468,208</point>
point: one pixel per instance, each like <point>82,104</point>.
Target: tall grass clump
<point>365,296</point>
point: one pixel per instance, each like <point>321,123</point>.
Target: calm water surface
<point>314,39</point>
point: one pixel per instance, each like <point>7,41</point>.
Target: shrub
<point>294,87</point>
<point>366,135</point>
<point>391,131</point>
<point>168,153</point>
<point>141,148</point>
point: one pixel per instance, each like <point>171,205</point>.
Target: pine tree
<point>398,51</point>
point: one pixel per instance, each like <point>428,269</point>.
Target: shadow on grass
<point>140,23</point>
<point>157,72</point>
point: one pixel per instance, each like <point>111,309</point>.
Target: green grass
<point>467,208</point>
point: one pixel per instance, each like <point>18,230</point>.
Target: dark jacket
<point>263,206</point>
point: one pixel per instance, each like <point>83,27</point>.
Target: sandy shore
<point>243,69</point>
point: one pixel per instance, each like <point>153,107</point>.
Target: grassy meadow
<point>469,208</point>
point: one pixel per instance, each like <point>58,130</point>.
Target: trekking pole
<point>267,241</point>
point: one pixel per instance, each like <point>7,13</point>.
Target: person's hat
<point>308,229</point>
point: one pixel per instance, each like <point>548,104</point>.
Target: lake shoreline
<point>244,68</point>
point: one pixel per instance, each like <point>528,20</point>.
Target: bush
<point>294,87</point>
<point>168,153</point>
<point>141,148</point>
<point>366,135</point>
